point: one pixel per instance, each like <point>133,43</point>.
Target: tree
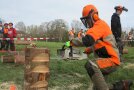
<point>77,25</point>
<point>58,28</point>
<point>21,26</point>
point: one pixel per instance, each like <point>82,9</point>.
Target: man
<point>116,26</point>
<point>11,34</point>
<point>5,43</point>
<point>80,33</point>
<point>99,40</point>
<point>71,35</point>
<point>1,34</point>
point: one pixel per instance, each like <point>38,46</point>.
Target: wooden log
<point>23,42</point>
<point>36,69</point>
<point>125,51</point>
<point>7,59</point>
<point>39,84</point>
<point>41,58</point>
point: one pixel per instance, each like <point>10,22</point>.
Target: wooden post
<point>36,69</point>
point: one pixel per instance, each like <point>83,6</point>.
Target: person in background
<point>71,35</point>
<point>81,34</point>
<point>5,43</point>
<point>130,38</point>
<point>1,34</point>
<point>116,27</point>
<point>11,34</point>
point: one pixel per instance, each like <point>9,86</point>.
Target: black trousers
<point>120,45</point>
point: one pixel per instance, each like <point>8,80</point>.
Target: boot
<point>123,85</point>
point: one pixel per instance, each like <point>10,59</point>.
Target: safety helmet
<point>89,15</point>
<point>121,8</point>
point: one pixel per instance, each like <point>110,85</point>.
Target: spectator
<point>11,34</point>
<point>1,34</point>
<point>5,43</point>
<point>81,34</point>
<point>129,38</point>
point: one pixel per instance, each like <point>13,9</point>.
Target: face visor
<point>88,20</point>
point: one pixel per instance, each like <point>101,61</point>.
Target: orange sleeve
<point>95,32</point>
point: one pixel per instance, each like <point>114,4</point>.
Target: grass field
<point>65,75</point>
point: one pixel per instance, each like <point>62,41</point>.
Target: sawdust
<point>56,88</point>
<point>79,75</point>
<point>6,85</point>
<point>74,86</point>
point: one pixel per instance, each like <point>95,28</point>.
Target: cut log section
<point>39,84</point>
<point>125,51</point>
<point>41,58</point>
<point>23,42</point>
<point>7,59</point>
<point>41,69</point>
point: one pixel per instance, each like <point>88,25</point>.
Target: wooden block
<point>20,57</point>
<point>125,51</point>
<point>39,85</point>
<point>40,69</point>
<point>7,59</point>
<point>36,68</point>
<point>23,42</point>
<point>41,58</point>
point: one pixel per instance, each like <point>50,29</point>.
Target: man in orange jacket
<point>99,40</point>
<point>80,33</point>
<point>5,43</point>
<point>71,34</point>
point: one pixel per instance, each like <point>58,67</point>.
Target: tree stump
<point>36,68</point>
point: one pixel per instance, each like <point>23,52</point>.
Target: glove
<point>88,40</point>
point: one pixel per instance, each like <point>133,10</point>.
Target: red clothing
<point>12,33</point>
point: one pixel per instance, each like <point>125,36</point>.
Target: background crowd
<point>7,31</point>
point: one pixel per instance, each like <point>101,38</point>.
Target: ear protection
<point>95,16</point>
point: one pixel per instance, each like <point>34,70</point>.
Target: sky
<point>38,11</point>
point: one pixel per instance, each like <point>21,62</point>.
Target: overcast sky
<point>38,11</point>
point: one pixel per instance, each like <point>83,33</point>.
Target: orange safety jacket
<point>71,33</point>
<point>104,45</point>
<point>5,30</point>
<point>80,34</point>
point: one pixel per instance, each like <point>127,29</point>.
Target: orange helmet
<point>87,9</point>
<point>89,15</point>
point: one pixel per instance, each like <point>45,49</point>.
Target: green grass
<point>66,75</point>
